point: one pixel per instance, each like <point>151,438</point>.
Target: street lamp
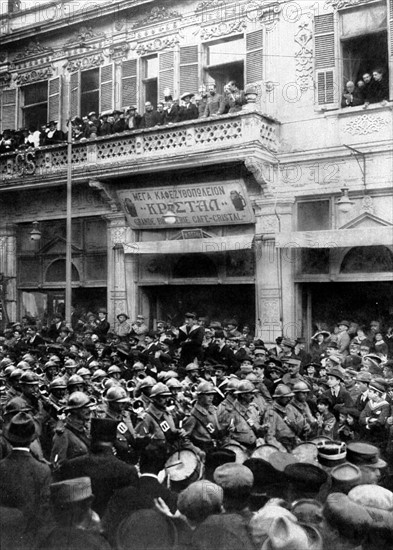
<point>35,233</point>
<point>344,203</point>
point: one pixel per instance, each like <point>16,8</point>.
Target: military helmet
<point>58,383</point>
<point>117,394</point>
<point>160,390</point>
<point>78,400</point>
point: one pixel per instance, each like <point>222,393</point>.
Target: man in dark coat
<point>24,481</point>
<point>129,499</point>
<point>336,393</point>
<point>150,118</point>
<point>190,339</point>
<point>106,471</point>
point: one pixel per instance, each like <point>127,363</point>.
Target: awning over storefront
<point>365,236</point>
<point>191,246</point>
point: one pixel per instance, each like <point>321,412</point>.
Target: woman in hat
<point>188,111</point>
<point>123,328</point>
<point>319,344</point>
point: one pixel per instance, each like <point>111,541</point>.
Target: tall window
<point>35,109</point>
<point>225,61</point>
<point>364,41</point>
<point>90,91</point>
<point>150,79</point>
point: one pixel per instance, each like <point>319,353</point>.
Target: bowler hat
<point>337,373</point>
<point>21,429</point>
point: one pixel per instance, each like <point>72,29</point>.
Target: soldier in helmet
<point>300,411</point>
<point>202,425</point>
<point>117,403</point>
<point>225,408</point>
<point>281,426</point>
<point>157,429</point>
<point>75,383</point>
<point>71,439</point>
<point>13,380</point>
<point>114,372</point>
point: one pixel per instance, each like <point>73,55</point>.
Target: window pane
<point>36,116</point>
<point>36,93</point>
<point>151,67</point>
<point>89,102</point>
<point>313,216</point>
<point>90,80</point>
<point>226,52</point>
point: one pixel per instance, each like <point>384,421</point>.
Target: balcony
<point>206,141</point>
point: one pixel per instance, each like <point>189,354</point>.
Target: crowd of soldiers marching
<point>190,398</point>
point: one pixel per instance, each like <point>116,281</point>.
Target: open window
<point>364,41</point>
<point>225,61</point>
<point>90,91</point>
<point>150,78</point>
<point>35,104</point>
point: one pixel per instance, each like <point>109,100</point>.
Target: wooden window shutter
<point>166,73</point>
<point>106,88</point>
<point>390,41</point>
<point>325,61</point>
<point>129,83</point>
<point>54,99</point>
<point>254,56</point>
<point>189,69</point>
<point>8,110</point>
<point>75,79</point>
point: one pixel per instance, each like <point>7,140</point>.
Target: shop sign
<point>194,205</point>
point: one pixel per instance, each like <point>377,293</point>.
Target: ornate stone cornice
<point>341,4</point>
<point>34,48</point>
<point>32,76</point>
<point>85,62</point>
<point>157,15</point>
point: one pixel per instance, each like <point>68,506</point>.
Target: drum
<point>240,452</point>
<point>182,468</point>
<point>264,452</point>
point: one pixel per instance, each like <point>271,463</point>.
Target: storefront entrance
<point>215,302</point>
<point>325,304</point>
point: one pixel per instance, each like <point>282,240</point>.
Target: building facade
<point>261,231</point>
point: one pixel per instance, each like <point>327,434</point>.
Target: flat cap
<point>233,476</point>
<point>200,499</point>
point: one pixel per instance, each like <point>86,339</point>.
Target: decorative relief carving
<point>222,29</point>
<point>209,4</point>
<point>119,235</point>
<point>33,48</point>
<point>34,75</point>
<point>269,15</point>
<point>268,224</point>
<point>118,51</point>
<point>155,45</point>
<point>367,204</point>
<point>83,34</point>
<point>270,311</point>
<point>340,4</point>
<point>304,55</point>
<point>157,14</point>
<point>365,124</point>
<point>164,28</point>
<point>87,62</point>
<point>120,23</point>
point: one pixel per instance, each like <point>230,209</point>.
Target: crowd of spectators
<point>189,106</point>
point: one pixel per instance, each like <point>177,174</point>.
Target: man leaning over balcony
<point>215,102</point>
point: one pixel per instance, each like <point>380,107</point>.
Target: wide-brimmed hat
<point>71,490</point>
<point>122,315</point>
<point>186,94</point>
